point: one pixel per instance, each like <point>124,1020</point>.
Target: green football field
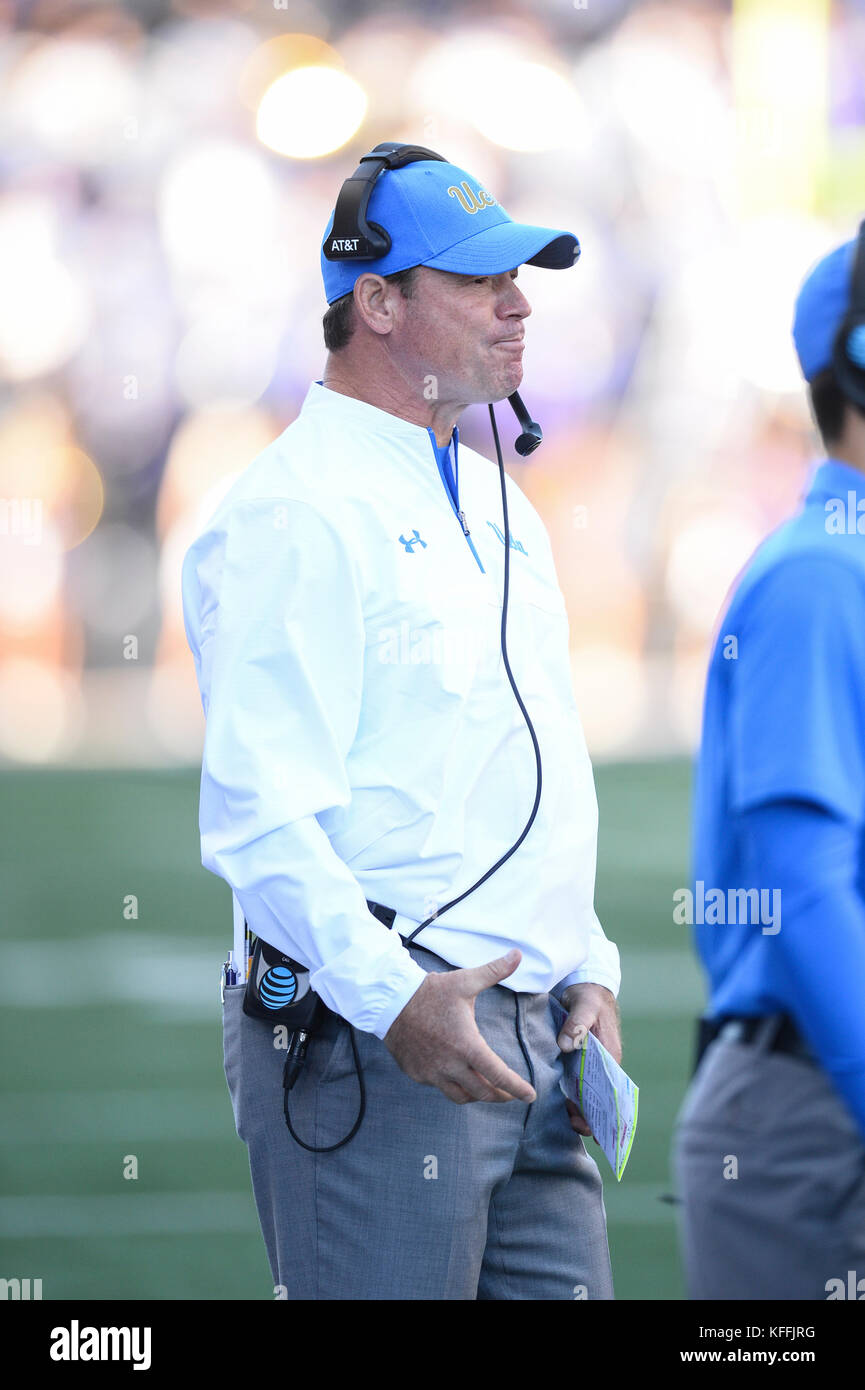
<point>113,940</point>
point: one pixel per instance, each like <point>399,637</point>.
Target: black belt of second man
<point>777,1033</point>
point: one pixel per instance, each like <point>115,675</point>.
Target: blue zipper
<point>461,517</point>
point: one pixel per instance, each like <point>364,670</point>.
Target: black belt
<point>775,1033</point>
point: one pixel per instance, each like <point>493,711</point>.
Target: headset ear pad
<point>848,358</point>
<point>848,352</point>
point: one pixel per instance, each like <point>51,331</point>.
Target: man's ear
<point>373,302</point>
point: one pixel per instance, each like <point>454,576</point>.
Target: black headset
<point>353,238</point>
<point>848,354</point>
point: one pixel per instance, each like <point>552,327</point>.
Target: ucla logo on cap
<point>471,201</point>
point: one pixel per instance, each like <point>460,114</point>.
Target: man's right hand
<point>437,1042</point>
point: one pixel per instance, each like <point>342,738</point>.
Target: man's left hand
<point>591,1009</point>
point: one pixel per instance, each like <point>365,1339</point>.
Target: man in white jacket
<point>366,762</point>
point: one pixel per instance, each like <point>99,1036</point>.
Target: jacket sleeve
<point>273,610</point>
<point>602,964</point>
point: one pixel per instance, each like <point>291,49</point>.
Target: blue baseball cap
<point>438,215</point>
<point>821,306</point>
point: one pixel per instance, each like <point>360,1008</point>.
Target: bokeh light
<point>547,116</point>
<point>216,204</point>
<point>44,307</point>
<point>40,711</point>
<point>31,564</point>
<point>310,111</point>
<point>475,75</point>
<point>72,99</point>
<point>280,56</point>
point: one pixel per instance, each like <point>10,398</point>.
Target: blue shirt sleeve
<point>798,687</point>
<point>813,858</point>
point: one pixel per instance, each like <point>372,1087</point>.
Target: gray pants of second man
<point>770,1169</point>
<point>429,1200</point>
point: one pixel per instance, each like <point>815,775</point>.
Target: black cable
<point>525,713</point>
<point>361,1109</point>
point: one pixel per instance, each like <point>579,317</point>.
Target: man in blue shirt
<point>770,1144</point>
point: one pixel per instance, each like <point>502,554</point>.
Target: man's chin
<point>495,388</point>
<point>505,383</point>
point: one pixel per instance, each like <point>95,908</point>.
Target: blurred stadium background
<point>168,171</point>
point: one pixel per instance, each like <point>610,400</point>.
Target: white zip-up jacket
<point>362,738</point>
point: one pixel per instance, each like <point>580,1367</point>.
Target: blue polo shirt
<point>779,803</point>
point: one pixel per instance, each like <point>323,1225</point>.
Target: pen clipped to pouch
<point>279,990</point>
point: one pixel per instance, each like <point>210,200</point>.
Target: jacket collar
<point>361,415</point>
<point>835,479</point>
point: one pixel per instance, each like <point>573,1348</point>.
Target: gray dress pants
<point>429,1200</point>
<point>770,1169</point>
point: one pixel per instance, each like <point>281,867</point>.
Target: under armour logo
<point>415,538</point>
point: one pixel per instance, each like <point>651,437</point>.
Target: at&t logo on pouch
<point>278,987</point>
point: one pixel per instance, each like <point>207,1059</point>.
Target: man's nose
<point>514,302</point>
